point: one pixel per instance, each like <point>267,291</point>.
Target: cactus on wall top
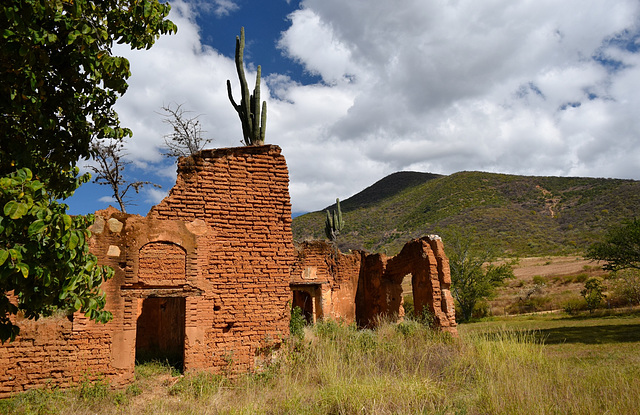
<point>254,121</point>
<point>334,223</point>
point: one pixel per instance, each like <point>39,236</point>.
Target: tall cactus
<point>334,223</point>
<point>254,124</point>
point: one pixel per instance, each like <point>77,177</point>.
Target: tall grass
<point>401,368</point>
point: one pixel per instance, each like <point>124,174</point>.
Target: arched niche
<point>162,263</point>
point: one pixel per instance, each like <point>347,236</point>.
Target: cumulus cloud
<point>155,195</point>
<point>544,88</point>
<point>220,8</point>
<point>514,87</point>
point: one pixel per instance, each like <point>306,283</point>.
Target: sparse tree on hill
<point>186,138</point>
<point>110,171</point>
<point>620,248</point>
<point>473,276</point>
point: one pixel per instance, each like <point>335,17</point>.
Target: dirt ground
<point>544,284</point>
<point>527,268</point>
<point>540,284</point>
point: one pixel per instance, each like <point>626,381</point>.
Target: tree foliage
<point>44,256</point>
<point>593,292</point>
<point>60,80</point>
<point>110,171</point>
<point>58,83</point>
<point>186,138</point>
<point>473,276</point>
<point>620,248</point>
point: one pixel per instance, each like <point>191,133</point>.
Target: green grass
<point>524,365</point>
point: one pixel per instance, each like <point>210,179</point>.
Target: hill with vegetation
<point>518,215</point>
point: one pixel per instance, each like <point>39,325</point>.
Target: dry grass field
<point>544,284</point>
<point>536,364</point>
<point>528,363</point>
<point>541,284</point>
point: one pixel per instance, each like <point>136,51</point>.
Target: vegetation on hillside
<point>620,248</point>
<point>519,215</point>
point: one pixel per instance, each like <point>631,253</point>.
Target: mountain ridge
<point>518,215</point>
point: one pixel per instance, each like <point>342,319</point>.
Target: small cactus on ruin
<point>254,121</point>
<point>334,222</point>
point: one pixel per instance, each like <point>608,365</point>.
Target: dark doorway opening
<point>160,331</point>
<point>304,300</point>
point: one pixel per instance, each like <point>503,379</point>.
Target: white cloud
<point>505,86</point>
<point>224,7</point>
<point>313,43</point>
<point>155,195</point>
<point>107,199</point>
<point>501,86</point>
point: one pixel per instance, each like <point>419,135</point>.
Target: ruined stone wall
<point>241,193</point>
<point>65,350</point>
<point>214,256</point>
<point>49,352</point>
<point>362,287</point>
<point>380,288</point>
<point>320,267</point>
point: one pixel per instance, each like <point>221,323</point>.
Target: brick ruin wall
<point>360,287</point>
<point>218,250</point>
<point>209,273</point>
<point>243,195</point>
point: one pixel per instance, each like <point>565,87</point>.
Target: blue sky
<point>360,89</point>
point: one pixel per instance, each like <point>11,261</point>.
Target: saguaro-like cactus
<point>254,121</point>
<point>334,223</point>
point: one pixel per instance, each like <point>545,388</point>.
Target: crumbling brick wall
<point>51,352</point>
<point>243,194</point>
<point>360,287</point>
<point>215,256</point>
<point>330,277</point>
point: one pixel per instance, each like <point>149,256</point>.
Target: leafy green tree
<point>593,292</point>
<point>44,257</point>
<point>620,248</point>
<point>473,276</point>
<point>58,83</point>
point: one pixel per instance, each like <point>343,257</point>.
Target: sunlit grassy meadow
<point>552,364</point>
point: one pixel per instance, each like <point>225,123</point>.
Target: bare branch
<point>110,171</point>
<point>186,138</point>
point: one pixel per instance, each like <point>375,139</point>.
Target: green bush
<point>539,280</point>
<point>575,305</point>
<point>297,323</point>
<point>481,310</point>
<point>582,277</point>
<point>593,292</point>
<point>626,287</point>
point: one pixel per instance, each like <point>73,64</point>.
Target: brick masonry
<point>207,269</point>
<point>360,287</point>
<point>208,277</point>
